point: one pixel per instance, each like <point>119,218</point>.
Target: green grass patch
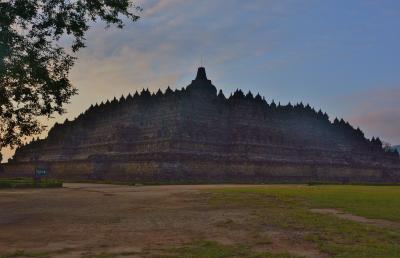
<point>288,208</point>
<point>101,255</point>
<point>25,254</point>
<point>211,249</point>
<point>29,183</point>
<point>376,202</point>
<point>22,253</point>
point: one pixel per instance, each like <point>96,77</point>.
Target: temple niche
<point>198,134</point>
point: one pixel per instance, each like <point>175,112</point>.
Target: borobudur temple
<point>198,135</point>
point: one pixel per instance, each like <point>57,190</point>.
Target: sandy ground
<point>136,221</point>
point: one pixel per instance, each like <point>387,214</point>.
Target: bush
<point>29,183</point>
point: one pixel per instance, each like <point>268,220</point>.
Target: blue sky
<point>342,56</point>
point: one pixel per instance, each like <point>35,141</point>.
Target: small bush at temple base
<point>29,183</point>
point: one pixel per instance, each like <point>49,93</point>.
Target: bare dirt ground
<point>352,217</point>
<point>134,221</point>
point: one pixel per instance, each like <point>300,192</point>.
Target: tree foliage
<point>34,66</point>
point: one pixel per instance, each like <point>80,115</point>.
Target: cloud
<point>166,45</point>
<point>383,123</point>
<point>377,112</point>
<point>154,8</point>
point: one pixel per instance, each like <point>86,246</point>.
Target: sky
<point>341,56</point>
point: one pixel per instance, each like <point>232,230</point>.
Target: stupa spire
<point>202,85</point>
<point>201,74</point>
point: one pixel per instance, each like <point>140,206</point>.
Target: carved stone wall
<point>195,133</point>
<point>195,171</point>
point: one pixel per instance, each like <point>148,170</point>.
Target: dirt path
<point>134,221</point>
<point>352,217</point>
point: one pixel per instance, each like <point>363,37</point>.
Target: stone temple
<point>198,135</point>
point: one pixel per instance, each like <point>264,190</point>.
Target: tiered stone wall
<point>195,171</point>
<point>208,136</point>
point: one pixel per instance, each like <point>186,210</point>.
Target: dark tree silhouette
<point>34,67</point>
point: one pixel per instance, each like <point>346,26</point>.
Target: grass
<point>211,249</point>
<point>22,253</point>
<point>377,202</point>
<point>25,254</point>
<point>197,249</point>
<point>101,255</point>
<point>29,183</point>
<point>288,208</point>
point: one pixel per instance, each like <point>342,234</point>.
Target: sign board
<point>39,172</point>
